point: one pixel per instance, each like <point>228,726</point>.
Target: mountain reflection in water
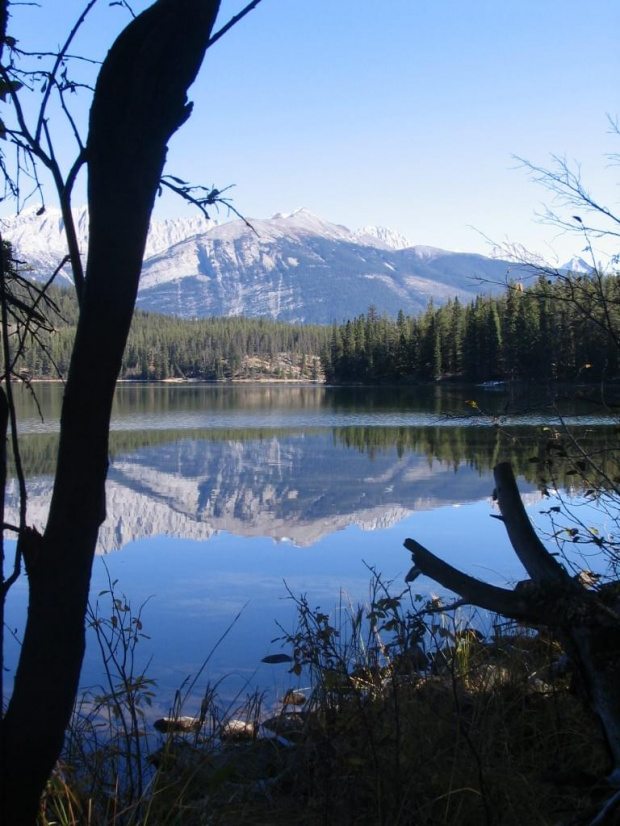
<point>344,474</point>
<point>297,486</point>
<point>294,463</point>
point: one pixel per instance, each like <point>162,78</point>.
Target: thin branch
<point>7,526</point>
<point>57,63</point>
<point>125,5</point>
<point>212,197</point>
<point>13,419</point>
<point>72,123</point>
<point>42,293</point>
<point>64,195</point>
<point>40,55</point>
<point>74,171</point>
<point>232,22</point>
<point>21,120</point>
<point>567,185</point>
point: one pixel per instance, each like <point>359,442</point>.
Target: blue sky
<point>402,113</point>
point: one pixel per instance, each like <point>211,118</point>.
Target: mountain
<point>577,266</point>
<point>39,240</point>
<point>294,267</point>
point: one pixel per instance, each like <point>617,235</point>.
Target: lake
<point>222,499</point>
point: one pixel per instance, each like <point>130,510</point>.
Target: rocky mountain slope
<point>294,267</point>
<point>39,240</point>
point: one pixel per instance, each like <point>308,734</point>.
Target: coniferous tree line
<point>564,328</point>
<point>161,347</point>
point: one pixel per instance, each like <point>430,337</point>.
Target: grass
<point>412,716</point>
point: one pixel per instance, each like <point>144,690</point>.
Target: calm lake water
<point>220,498</point>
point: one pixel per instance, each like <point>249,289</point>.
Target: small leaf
<point>274,659</point>
<point>7,86</point>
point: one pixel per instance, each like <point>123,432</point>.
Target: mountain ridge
<point>292,267</point>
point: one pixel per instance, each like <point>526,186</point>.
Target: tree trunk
<point>139,101</point>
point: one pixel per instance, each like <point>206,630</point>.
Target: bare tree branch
<point>566,184</point>
<point>211,196</point>
<point>233,21</point>
<point>57,63</point>
<point>472,591</point>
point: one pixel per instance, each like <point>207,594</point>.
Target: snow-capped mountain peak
<point>304,220</point>
<point>300,212</point>
<point>577,265</point>
<point>39,238</point>
<point>393,240</point>
<point>292,267</point>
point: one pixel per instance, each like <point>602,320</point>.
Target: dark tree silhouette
<point>139,102</point>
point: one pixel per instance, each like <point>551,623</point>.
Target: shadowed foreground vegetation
<point>405,714</point>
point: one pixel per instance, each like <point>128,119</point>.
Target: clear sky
<point>399,113</point>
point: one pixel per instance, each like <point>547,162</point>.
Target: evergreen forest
<point>558,328</point>
<point>209,349</point>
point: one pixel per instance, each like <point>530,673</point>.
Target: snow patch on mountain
<point>428,253</point>
<point>292,267</point>
<point>578,266</point>
<point>40,241</point>
<point>391,239</point>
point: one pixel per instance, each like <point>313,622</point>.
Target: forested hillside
<point>161,347</point>
<point>554,329</point>
<point>560,329</point>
